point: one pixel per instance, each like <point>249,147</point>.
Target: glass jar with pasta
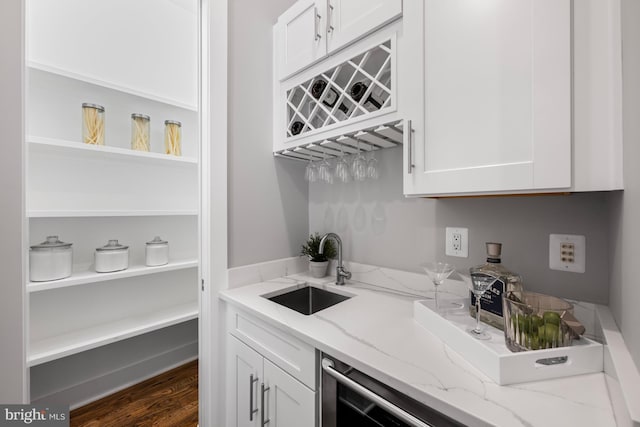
<point>140,129</point>
<point>92,124</point>
<point>172,137</point>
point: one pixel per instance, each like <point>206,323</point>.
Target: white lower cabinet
<point>260,393</point>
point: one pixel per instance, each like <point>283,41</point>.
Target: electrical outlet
<point>567,252</point>
<point>457,242</point>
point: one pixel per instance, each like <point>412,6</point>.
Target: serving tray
<point>494,358</point>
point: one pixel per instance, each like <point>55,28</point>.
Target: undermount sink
<point>307,299</point>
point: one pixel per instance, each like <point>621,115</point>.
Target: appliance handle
<point>327,366</point>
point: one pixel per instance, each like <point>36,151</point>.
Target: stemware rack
<point>369,139</point>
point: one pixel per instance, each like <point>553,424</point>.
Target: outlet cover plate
<point>457,242</point>
<point>576,262</point>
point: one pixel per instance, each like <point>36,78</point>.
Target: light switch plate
<point>457,242</point>
<point>567,252</point>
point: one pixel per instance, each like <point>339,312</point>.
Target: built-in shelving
<point>84,277</point>
<point>104,151</point>
<point>105,213</point>
<point>109,85</point>
<point>53,348</point>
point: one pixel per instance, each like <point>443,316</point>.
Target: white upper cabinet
<point>143,47</point>
<point>311,29</point>
<point>299,36</point>
<point>348,20</point>
<point>492,104</point>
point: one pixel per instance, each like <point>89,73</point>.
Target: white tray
<point>494,358</point>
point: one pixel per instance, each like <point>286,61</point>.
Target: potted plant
<point>318,262</point>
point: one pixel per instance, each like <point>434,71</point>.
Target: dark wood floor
<point>167,400</point>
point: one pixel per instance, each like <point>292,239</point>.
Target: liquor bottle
<point>508,284</point>
<point>318,88</point>
<point>296,127</point>
<point>357,92</point>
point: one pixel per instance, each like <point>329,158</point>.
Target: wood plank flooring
<point>167,400</point>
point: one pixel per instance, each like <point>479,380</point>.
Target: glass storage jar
<point>92,124</point>
<point>173,137</point>
<point>112,257</point>
<point>50,260</point>
<point>157,252</point>
<point>140,131</point>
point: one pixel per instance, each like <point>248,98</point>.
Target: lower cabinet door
<point>288,402</point>
<point>244,376</point>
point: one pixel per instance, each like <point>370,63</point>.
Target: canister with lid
<point>157,252</point>
<point>112,257</point>
<point>92,124</point>
<point>50,260</point>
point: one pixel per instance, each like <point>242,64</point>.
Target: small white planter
<point>318,269</point>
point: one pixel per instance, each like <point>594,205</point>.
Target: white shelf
<point>109,85</point>
<point>84,277</point>
<point>70,343</point>
<point>79,148</point>
<point>85,214</point>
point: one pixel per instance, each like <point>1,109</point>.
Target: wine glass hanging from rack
<point>359,86</point>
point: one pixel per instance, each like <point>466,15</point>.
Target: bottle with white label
<point>508,283</point>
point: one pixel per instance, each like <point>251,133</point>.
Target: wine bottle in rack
<point>296,127</point>
<point>318,88</point>
<point>357,92</point>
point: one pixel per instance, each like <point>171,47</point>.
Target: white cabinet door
<point>347,20</point>
<point>299,36</point>
<point>494,111</point>
<point>288,402</point>
<point>244,376</point>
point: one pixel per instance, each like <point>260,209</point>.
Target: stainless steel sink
<point>307,299</point>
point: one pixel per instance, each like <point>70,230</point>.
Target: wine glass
<point>372,167</point>
<point>324,170</point>
<point>438,272</point>
<point>311,171</point>
<point>359,165</point>
<point>342,168</point>
<point>479,283</point>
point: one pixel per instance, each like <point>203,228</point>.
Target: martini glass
<point>438,272</point>
<point>479,283</point>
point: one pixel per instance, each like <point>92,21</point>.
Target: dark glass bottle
<point>296,127</point>
<point>357,92</point>
<point>318,88</point>
<point>508,283</point>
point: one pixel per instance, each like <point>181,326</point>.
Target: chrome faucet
<point>341,273</point>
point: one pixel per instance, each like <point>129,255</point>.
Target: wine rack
<point>357,87</point>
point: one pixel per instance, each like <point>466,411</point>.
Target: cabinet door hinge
<point>202,284</point>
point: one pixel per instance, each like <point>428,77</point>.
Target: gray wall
<point>268,200</point>
<point>12,368</point>
<point>380,226</point>
<point>625,208</point>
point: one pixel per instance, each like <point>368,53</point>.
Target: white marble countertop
<point>375,332</point>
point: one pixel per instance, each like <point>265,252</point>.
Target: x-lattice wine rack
<point>352,89</point>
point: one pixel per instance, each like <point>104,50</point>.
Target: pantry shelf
<point>56,347</point>
<point>122,213</point>
<point>104,151</point>
<point>109,85</point>
<point>84,277</point>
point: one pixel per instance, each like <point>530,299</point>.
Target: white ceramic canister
<point>50,260</point>
<point>112,257</point>
<point>157,252</point>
